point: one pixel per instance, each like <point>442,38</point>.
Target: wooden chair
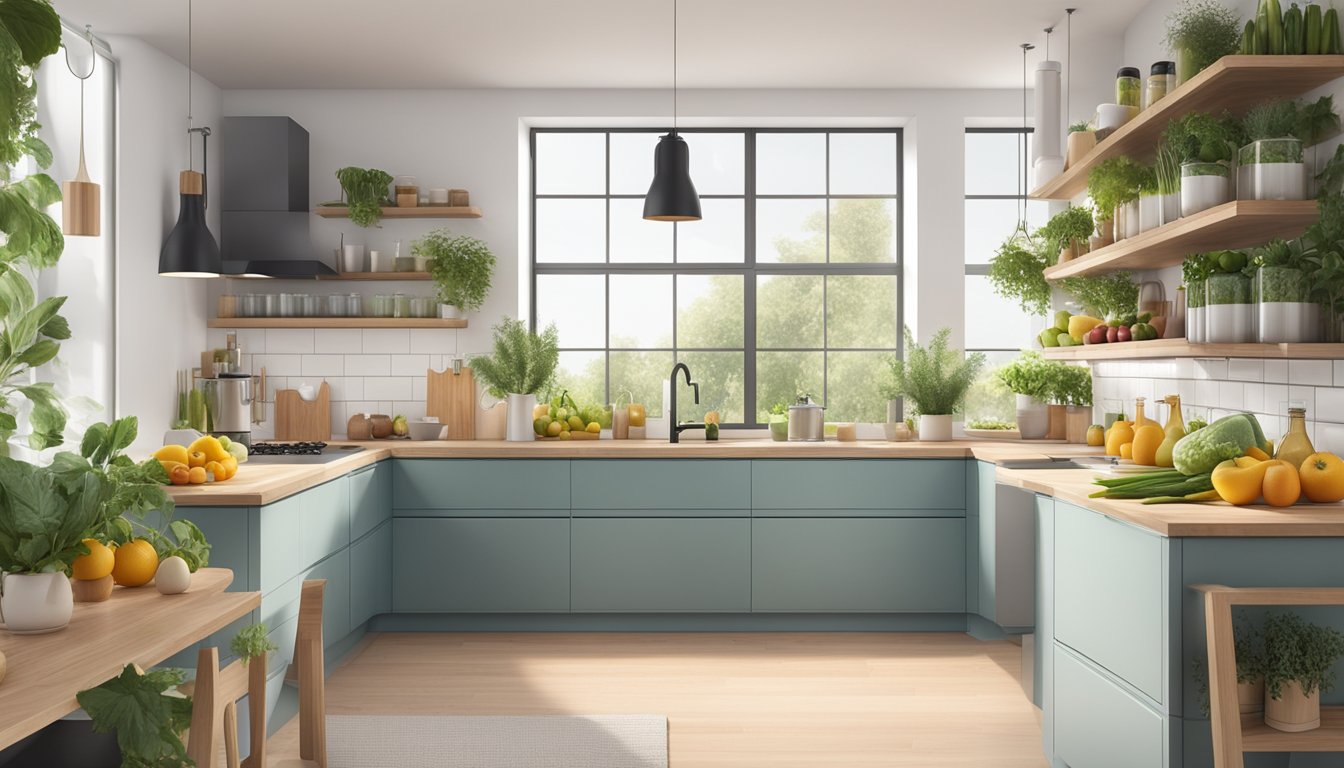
<point>216,692</point>
<point>1234,733</point>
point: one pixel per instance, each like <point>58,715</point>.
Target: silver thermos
<point>228,403</point>
<point>805,421</point>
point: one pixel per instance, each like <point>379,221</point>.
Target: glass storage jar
<point>1161,81</point>
<point>401,305</point>
<point>382,305</point>
<point>1229,314</point>
<point>335,305</point>
<point>1127,87</point>
<point>354,305</point>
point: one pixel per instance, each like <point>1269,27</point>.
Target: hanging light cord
<point>674,67</point>
<point>189,115</point>
<point>1022,149</point>
<point>93,64</point>
<point>1068,52</point>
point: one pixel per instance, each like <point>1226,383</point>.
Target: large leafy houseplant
<point>30,330</point>
<point>1070,225</point>
<point>1296,651</point>
<point>461,266</point>
<point>1028,375</point>
<point>522,363</point>
<point>1017,272</point>
<point>365,193</point>
<point>147,713</point>
<point>1201,32</point>
<point>934,379</point>
<point>1069,384</point>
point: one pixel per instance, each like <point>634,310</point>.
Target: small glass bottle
<point>1295,446</point>
<point>354,305</point>
<point>401,305</point>
<point>1139,418</point>
<point>1127,87</point>
<point>1161,81</point>
<point>1175,430</point>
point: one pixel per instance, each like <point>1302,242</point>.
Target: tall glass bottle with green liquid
<point>1175,430</point>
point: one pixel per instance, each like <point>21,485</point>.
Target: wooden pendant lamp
<point>81,209</point>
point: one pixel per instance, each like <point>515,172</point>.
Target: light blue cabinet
<point>370,498</point>
<point>324,520</point>
<point>371,575</point>
<point>856,565</point>
<point>920,484</point>
<point>673,484</point>
<point>661,565</point>
<point>473,565</point>
<point>479,484</point>
<point>1100,725</point>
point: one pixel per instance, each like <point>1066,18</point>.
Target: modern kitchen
<point>671,383</point>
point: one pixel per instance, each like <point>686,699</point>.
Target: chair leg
<point>231,735</point>
<point>203,741</point>
<point>256,713</point>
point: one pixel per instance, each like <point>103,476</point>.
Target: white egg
<point>173,576</point>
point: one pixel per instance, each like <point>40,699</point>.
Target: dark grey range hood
<point>264,217</point>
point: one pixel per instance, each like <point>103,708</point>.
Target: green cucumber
<point>1261,31</point>
<point>1248,39</point>
<point>1312,28</point>
<point>1293,43</point>
<point>1330,32</point>
<point>1275,17</point>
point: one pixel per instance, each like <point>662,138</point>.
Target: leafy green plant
<point>1027,375</point>
<point>934,379</point>
<point>1317,120</point>
<point>1274,119</point>
<point>147,713</point>
<point>1298,651</point>
<point>1116,181</point>
<point>30,331</point>
<point>1225,288</point>
<point>1078,127</point>
<point>1167,170</point>
<point>1074,223</point>
<point>1250,654</point>
<point>365,193</point>
<point>1203,31</point>
<point>994,424</point>
<point>1106,296</point>
<point>251,642</point>
<point>1017,272</point>
<point>1070,384</point>
<point>1277,269</point>
<point>523,363</point>
<point>461,266</point>
<point>1200,137</point>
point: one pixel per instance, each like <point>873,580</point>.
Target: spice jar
<point>1161,81</point>
<point>1127,87</point>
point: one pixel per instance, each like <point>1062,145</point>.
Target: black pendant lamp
<point>190,250</point>
<point>672,195</point>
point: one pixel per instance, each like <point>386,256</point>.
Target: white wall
<point>160,321</point>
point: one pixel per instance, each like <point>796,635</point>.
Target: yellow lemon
<point>95,565</point>
<point>135,563</point>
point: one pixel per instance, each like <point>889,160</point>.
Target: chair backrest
<point>311,663</point>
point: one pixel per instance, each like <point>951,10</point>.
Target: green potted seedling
<point>462,268</point>
<point>1205,144</point>
<point>779,422</point>
<point>1027,377</point>
<point>1298,661</point>
<point>933,381</point>
<point>1286,313</point>
<point>1271,166</point>
<point>1229,310</point>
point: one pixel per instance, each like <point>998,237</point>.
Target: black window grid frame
<point>749,267</point>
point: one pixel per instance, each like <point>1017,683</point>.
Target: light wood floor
<point>755,699</point>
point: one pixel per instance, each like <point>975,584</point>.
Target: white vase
<point>1033,418</point>
<point>1150,212</point>
<point>520,409</point>
<point>1131,210</point>
<point>1276,181</point>
<point>450,312</point>
<point>1171,207</point>
<point>1288,322</point>
<point>935,428</point>
<point>33,603</point>
<point>1199,193</point>
<point>1229,324</point>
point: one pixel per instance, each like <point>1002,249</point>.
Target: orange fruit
<point>180,474</point>
<point>1322,476</point>
<point>135,563</point>
<point>196,475</point>
<point>196,459</point>
<point>95,565</point>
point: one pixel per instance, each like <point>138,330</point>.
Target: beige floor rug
<point>551,741</point>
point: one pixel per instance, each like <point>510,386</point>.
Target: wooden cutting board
<point>299,420</point>
<point>452,398</point>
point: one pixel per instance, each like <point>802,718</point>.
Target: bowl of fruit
<point>563,419</point>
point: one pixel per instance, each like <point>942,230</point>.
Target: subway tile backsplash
<point>368,370</point>
<point>1210,388</point>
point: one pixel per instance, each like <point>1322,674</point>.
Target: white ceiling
<point>605,43</point>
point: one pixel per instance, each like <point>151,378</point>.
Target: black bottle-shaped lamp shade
<point>190,250</point>
<point>672,195</point>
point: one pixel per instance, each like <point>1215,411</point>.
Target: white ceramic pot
<point>1274,181</point>
<point>1033,418</point>
<point>935,428</point>
<point>1194,325</point>
<point>1150,212</point>
<point>1288,322</point>
<point>1200,193</point>
<point>1229,324</point>
<point>1171,207</point>
<point>33,603</point>
<point>450,312</point>
<point>519,427</point>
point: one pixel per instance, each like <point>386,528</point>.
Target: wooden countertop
<point>134,626</point>
<point>1182,520</point>
<point>258,484</point>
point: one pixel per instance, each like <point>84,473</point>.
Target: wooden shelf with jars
<point>1133,350</point>
<point>412,212</point>
<point>336,322</point>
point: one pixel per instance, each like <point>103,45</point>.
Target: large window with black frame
<point>789,285</point>
<point>996,202</point>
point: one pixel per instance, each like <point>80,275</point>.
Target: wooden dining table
<point>133,626</point>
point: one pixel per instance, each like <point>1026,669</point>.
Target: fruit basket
<point>563,419</point>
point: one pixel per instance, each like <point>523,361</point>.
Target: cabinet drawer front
<point>1109,602</point>
<point>464,565</point>
<point>324,520</point>
<point>858,565</point>
<point>335,597</point>
<point>1099,725</point>
<point>666,484</point>
<point>279,553</point>
<point>858,484</point>
<point>371,575</point>
<point>480,483</point>
<point>658,564</point>
<point>370,498</point>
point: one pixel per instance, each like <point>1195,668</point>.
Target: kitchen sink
<point>1082,462</point>
<point>329,454</point>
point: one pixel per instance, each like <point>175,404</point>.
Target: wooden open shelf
<point>419,212</point>
<point>335,322</point>
<point>1234,83</point>
<point>1258,737</point>
<point>377,276</point>
<point>1237,224</point>
<point>1129,350</point>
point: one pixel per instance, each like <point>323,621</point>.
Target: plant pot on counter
<point>1077,419</point>
<point>1056,422</point>
<point>450,312</point>
<point>1251,695</point>
<point>1286,313</point>
<point>1203,186</point>
<point>34,603</point>
<point>1293,711</point>
<point>1033,418</point>
<point>519,417</point>
<point>935,428</point>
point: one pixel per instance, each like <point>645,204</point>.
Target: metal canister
<point>806,423</point>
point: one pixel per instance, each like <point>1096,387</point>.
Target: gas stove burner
<point>287,449</point>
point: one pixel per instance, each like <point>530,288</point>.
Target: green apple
<point>1049,338</point>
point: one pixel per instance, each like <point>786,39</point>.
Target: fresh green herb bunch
<point>991,424</point>
<point>365,193</point>
<point>462,267</point>
<point>1275,119</point>
<point>523,363</point>
<point>1070,384</point>
<point>146,712</point>
<point>1079,127</point>
<point>1028,375</point>
<point>1106,296</point>
<point>934,379</point>
<point>1301,652</point>
<point>779,409</point>
<point>1229,288</point>
<point>1075,223</point>
<point>1200,137</point>
<point>1017,272</point>
<point>1116,181</point>
<point>1167,170</point>
<point>252,641</point>
<point>1317,120</point>
<point>1204,31</point>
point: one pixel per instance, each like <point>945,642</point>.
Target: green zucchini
<point>1311,22</point>
<point>1330,32</point>
<point>1248,39</point>
<point>1275,16</point>
<point>1261,31</point>
<point>1292,31</point>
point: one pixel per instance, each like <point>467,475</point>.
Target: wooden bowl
<point>92,591</point>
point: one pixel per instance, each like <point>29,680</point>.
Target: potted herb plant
<point>1201,32</point>
<point>1082,139</point>
<point>1028,378</point>
<point>934,380</point>
<point>1205,145</point>
<point>1286,313</point>
<point>1195,271</point>
<point>1250,657</point>
<point>522,364</point>
<point>1271,166</point>
<point>462,268</point>
<point>1229,310</point>
<point>779,422</point>
<point>1298,657</point>
<point>1150,202</point>
<point>1112,184</point>
<point>1066,233</point>
<point>1072,391</point>
<point>1017,272</point>
<point>365,191</point>
<point>1167,174</point>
